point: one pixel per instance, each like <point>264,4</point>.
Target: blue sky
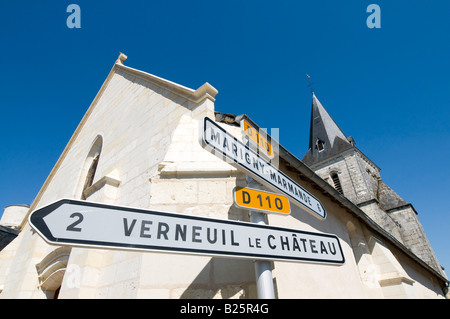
<point>387,87</point>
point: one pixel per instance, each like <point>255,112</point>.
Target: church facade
<point>138,146</point>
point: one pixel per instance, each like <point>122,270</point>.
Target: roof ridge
<point>204,91</point>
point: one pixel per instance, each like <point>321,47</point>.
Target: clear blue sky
<point>389,88</point>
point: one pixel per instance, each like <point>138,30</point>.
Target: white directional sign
<point>95,225</point>
<point>224,145</point>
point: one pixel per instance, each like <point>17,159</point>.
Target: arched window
<point>337,182</point>
<point>90,175</point>
<point>90,167</point>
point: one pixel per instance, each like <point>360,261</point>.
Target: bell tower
<point>336,159</point>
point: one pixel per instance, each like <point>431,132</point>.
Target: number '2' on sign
<point>78,219</point>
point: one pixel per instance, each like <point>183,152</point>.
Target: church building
<point>141,146</point>
<point>335,158</point>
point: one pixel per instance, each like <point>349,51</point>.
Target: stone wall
<point>362,184</point>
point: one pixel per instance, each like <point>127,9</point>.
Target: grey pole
<point>263,268</point>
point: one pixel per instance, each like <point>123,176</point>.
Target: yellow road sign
<point>261,201</point>
<point>263,144</point>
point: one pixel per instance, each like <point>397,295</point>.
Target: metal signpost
<point>248,198</point>
<point>260,203</point>
<point>263,268</point>
<point>227,147</point>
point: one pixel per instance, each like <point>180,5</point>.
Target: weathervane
<point>310,83</point>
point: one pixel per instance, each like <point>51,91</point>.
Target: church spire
<point>326,139</point>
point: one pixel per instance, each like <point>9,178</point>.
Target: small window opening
<point>320,145</point>
<point>337,183</point>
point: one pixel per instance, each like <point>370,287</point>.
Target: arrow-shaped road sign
<point>227,147</point>
<point>95,225</point>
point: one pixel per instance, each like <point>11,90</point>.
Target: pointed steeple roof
<point>326,139</point>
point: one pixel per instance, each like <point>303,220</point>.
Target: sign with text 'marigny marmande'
<point>95,225</point>
<point>224,145</point>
